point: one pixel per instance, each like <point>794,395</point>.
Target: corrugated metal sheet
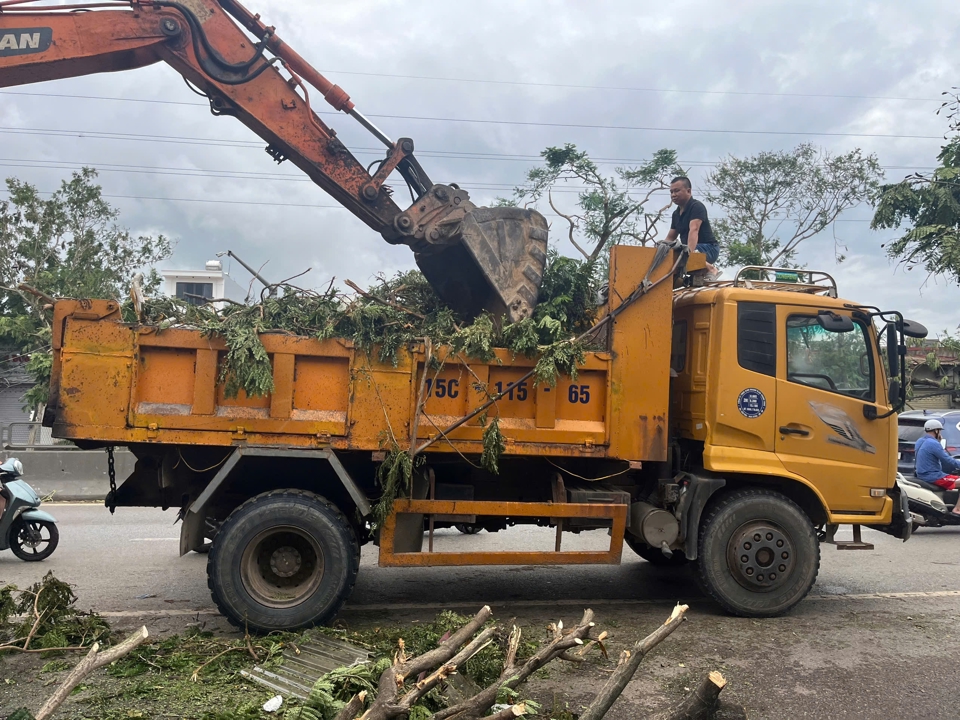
<point>931,402</point>
<point>303,664</point>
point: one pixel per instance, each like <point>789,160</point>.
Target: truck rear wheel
<point>758,555</point>
<point>283,560</point>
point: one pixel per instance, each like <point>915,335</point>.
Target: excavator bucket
<point>496,266</point>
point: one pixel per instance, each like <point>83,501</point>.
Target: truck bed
<point>116,383</point>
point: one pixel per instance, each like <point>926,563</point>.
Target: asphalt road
<point>129,562</point>
<point>878,637</point>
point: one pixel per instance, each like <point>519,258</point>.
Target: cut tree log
<point>629,662</point>
<point>92,661</point>
<point>701,702</point>
<point>396,695</point>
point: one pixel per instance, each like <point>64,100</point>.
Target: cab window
<point>836,362</point>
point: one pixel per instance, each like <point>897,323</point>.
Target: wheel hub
<point>761,556</point>
<point>30,537</point>
<point>285,561</point>
<point>282,566</point>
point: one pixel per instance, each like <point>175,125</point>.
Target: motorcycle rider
<point>931,459</point>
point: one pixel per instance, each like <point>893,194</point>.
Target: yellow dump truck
<point>734,425</point>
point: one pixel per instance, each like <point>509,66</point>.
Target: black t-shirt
<point>695,210</point>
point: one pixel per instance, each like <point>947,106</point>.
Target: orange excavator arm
<point>476,258</point>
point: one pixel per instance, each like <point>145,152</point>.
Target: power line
<point>570,86</point>
<point>245,174</point>
<point>582,126</point>
<point>323,207</point>
<point>631,89</point>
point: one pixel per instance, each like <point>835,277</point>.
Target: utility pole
<point>258,276</point>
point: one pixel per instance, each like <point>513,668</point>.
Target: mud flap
<point>901,525</point>
<point>699,490</point>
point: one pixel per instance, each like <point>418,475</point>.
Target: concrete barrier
<point>71,474</point>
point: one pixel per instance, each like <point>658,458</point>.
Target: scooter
<point>31,533</point>
<point>930,506</point>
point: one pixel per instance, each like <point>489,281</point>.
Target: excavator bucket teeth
<point>497,266</point>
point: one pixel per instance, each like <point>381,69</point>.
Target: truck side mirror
<point>834,322</point>
<point>911,328</point>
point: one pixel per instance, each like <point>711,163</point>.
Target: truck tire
<point>653,555</point>
<point>283,560</point>
<point>758,554</point>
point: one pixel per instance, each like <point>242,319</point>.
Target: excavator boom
<point>476,258</point>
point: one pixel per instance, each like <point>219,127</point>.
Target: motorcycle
<point>31,533</point>
<point>930,506</point>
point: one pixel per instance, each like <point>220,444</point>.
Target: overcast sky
<point>483,87</point>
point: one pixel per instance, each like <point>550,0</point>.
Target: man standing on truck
<point>931,459</point>
<point>690,222</point>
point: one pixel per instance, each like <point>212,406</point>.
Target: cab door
<point>824,381</point>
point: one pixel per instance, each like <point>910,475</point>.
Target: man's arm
<point>947,463</point>
<point>694,235</point>
<point>671,235</point>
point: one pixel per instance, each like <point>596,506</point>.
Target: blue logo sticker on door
<point>751,403</point>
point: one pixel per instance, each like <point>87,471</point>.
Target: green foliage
<point>413,313</point>
<point>776,200</point>
<point>332,691</point>
<point>559,359</point>
<point>394,476</point>
<point>608,212</point>
<point>476,340</point>
<point>69,245</point>
<point>8,604</point>
<point>567,296</point>
<point>21,714</point>
<point>39,367</point>
<point>493,447</point>
<point>60,625</point>
<point>928,206</point>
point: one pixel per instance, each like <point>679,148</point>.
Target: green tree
<point>610,209</point>
<point>776,200</point>
<point>928,206</point>
<point>69,245</point>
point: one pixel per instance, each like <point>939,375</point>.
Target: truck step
<point>856,544</point>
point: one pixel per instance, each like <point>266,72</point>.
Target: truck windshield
<point>837,362</point>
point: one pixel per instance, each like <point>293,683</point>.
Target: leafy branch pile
<point>389,316</point>
<point>44,617</point>
<point>383,320</point>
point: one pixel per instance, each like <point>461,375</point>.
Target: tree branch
<point>93,660</point>
<point>625,671</point>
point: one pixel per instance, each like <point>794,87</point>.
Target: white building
<point>211,283</point>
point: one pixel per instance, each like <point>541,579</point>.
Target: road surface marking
<point>153,539</point>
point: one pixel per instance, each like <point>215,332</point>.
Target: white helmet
<point>932,425</point>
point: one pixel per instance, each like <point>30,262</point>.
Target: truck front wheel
<point>283,560</point>
<point>758,555</point>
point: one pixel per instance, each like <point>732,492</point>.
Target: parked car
<point>911,428</point>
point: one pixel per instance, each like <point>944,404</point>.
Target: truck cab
<point>781,389</point>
